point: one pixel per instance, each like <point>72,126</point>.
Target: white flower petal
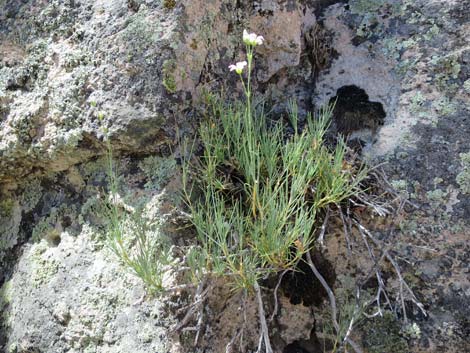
<point>245,35</point>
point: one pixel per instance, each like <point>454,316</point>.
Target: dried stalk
<point>264,326</point>
<point>276,304</point>
<point>331,297</point>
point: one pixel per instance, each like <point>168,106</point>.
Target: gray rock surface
<point>70,69</point>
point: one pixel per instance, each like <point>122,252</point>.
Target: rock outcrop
<point>73,71</point>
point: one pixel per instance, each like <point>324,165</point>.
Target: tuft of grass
<point>135,240</point>
<point>258,191</point>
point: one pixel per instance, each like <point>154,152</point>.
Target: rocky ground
<point>135,70</point>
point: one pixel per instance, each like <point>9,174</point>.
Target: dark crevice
<point>355,113</point>
<point>302,287</point>
<point>311,345</point>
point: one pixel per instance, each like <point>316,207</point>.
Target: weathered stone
<point>73,71</point>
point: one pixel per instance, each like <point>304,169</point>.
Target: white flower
<point>259,40</point>
<point>238,67</point>
<point>252,38</point>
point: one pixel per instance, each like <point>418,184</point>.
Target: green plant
<point>135,240</point>
<point>258,190</point>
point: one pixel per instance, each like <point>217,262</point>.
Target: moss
<point>383,334</point>
<point>463,178</point>
<point>169,4</point>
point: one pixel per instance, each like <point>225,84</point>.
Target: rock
<point>74,71</point>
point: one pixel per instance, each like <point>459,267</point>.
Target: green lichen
<point>142,32</point>
<point>13,348</point>
<point>157,170</point>
<point>6,294</point>
<point>401,186</point>
<point>383,334</point>
<point>6,227</point>
<point>31,194</point>
<point>169,4</point>
<point>43,267</point>
<point>466,86</point>
<point>76,58</point>
<point>437,197</point>
<point>6,297</point>
<point>371,21</point>
<point>445,106</point>
<point>6,208</point>
<point>169,82</point>
<point>417,103</point>
<point>446,70</point>
<point>66,107</point>
<point>361,7</point>
<point>10,218</point>
<point>412,331</point>
<point>32,67</point>
<point>463,178</point>
<point>432,33</point>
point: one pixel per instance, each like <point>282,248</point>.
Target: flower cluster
<point>251,40</point>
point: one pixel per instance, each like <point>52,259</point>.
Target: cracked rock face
<point>72,70</point>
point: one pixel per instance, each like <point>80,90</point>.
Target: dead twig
<point>320,238</point>
<point>276,304</point>
<point>331,297</point>
<point>328,290</point>
<point>264,337</point>
<point>196,306</point>
<point>402,283</point>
